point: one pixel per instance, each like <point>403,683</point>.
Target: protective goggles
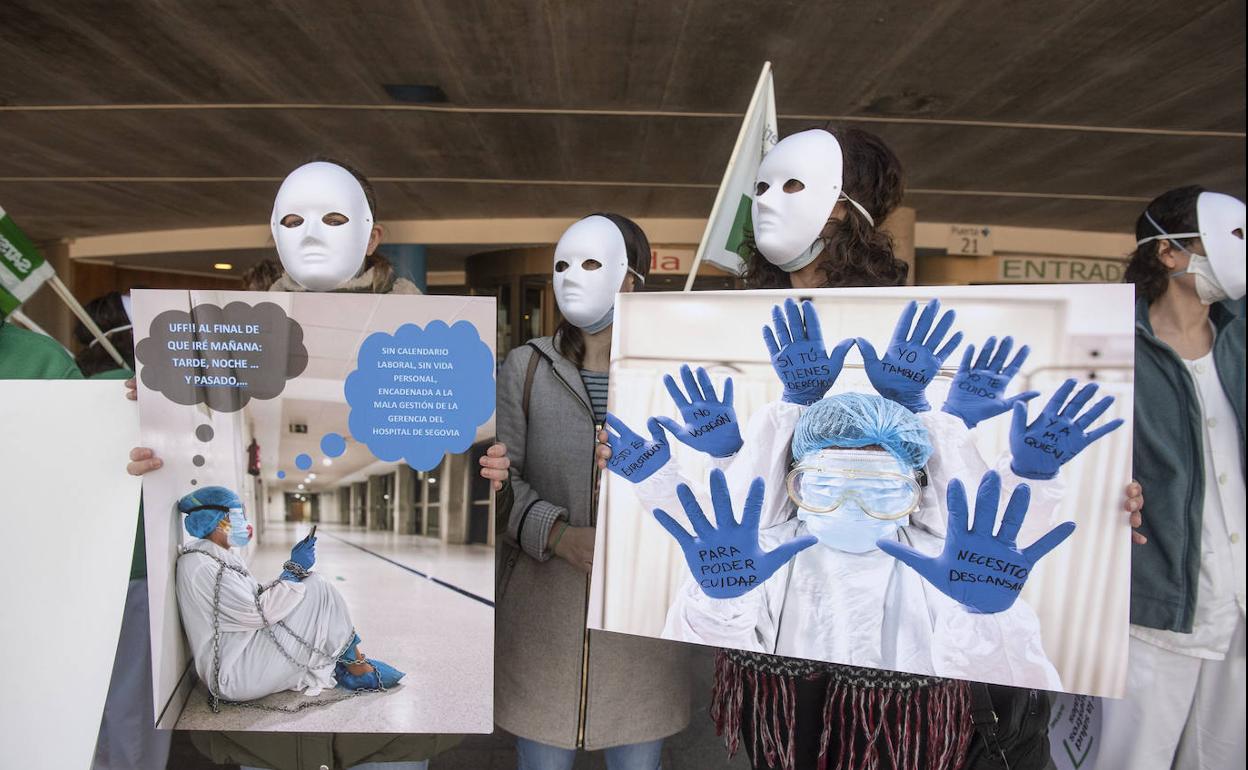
<point>876,485</point>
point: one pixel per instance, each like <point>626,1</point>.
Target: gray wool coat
<point>634,689</point>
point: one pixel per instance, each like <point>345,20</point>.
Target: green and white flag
<point>730,216</point>
<point>22,270</point>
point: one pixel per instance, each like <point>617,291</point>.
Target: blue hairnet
<point>851,420</point>
<point>201,520</point>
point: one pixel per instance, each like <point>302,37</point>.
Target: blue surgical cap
<point>205,508</point>
<point>851,420</point>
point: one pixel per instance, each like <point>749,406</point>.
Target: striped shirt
<point>596,386</point>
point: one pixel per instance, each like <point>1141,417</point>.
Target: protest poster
<point>356,417</point>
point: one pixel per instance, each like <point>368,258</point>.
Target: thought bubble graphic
<point>333,445</point>
<point>303,462</point>
<point>222,357</point>
<point>420,393</point>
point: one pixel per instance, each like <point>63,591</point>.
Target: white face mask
<point>1220,217</point>
<point>318,250</point>
<point>591,260</point>
<point>798,185</point>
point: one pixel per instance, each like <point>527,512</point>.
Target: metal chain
<point>214,688</point>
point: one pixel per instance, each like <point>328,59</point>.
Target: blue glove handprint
<point>978,390</point>
<point>982,571</point>
<point>1040,449</point>
<point>798,355</point>
<point>710,425</point>
<point>726,559</point>
<point>632,457</point>
<point>911,360</point>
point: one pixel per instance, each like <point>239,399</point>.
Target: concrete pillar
<point>455,498</point>
<point>47,309</point>
<point>405,501</point>
<point>374,503</point>
<point>409,262</point>
<point>900,225</point>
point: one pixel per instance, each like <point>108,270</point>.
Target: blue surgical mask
<point>849,529</point>
<point>240,529</point>
<point>849,499</point>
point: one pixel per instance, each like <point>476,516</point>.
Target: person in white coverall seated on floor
<point>864,552</point>
<point>294,633</point>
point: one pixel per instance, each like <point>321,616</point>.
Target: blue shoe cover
<point>382,677</point>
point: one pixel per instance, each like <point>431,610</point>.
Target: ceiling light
<point>415,94</point>
<point>311,476</point>
<point>222,266</point>
<point>301,486</point>
<point>327,462</point>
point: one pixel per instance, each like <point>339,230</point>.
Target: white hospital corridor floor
<point>417,604</point>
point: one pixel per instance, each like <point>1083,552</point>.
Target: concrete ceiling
<point>149,115</point>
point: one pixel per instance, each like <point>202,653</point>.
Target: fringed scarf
<point>869,715</point>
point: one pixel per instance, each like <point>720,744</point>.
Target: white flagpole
<point>719,195</point>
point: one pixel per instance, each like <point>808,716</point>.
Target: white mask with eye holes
<point>321,224</point>
<point>591,260</point>
<point>1221,221</point>
<point>1219,272</point>
<point>799,183</point>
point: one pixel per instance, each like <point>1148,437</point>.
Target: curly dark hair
<point>856,253</point>
<point>109,313</point>
<point>1175,211</point>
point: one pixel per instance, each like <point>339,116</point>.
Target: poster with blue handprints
<point>928,480</point>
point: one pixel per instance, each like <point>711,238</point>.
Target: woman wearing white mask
<point>560,688</point>
<point>819,199</point>
<point>1185,686</point>
<point>325,227</point>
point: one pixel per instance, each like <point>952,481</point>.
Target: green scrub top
<point>26,355</point>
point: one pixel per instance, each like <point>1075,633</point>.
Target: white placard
<point>70,512</point>
<point>1075,731</point>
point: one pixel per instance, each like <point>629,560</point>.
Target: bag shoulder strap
<point>534,360</point>
<point>984,717</point>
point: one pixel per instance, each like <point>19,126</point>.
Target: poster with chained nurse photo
<point>916,479</point>
<point>319,549</point>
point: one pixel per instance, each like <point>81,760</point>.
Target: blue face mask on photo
<point>849,499</point>
<point>240,529</point>
<point>849,529</point>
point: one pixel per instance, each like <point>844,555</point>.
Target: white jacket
<point>251,665</point>
<point>861,609</point>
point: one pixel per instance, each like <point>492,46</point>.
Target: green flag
<point>730,216</point>
<point>22,270</point>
